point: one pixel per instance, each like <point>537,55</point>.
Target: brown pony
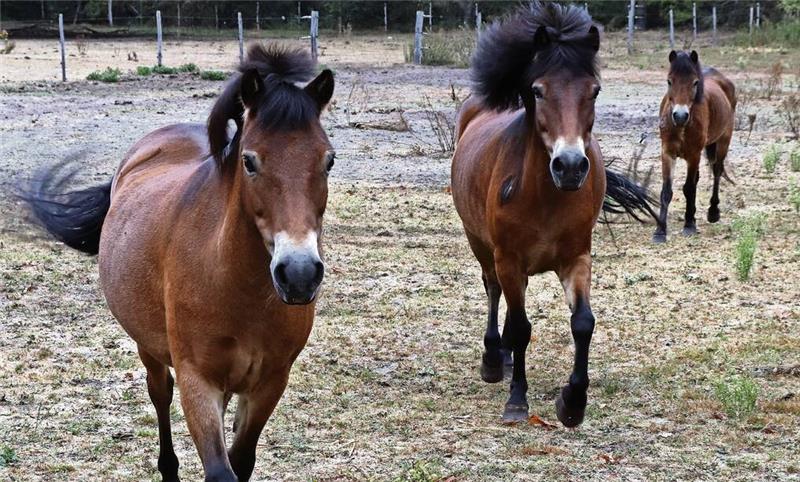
<point>529,183</point>
<point>696,112</point>
<point>209,252</point>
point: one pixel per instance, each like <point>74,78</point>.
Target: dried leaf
<point>609,458</point>
<point>544,450</point>
<point>539,421</point>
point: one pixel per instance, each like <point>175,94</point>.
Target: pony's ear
<point>594,38</point>
<point>693,56</point>
<point>321,89</point>
<point>251,85</point>
<point>541,38</point>
<point>672,56</point>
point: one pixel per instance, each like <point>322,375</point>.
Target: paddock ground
<point>388,386</point>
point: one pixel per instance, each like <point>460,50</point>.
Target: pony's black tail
<point>625,196</point>
<point>74,217</point>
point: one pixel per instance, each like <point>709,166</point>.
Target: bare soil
<point>388,386</point>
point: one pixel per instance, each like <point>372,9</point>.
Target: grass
<point>748,230</point>
<point>213,75</point>
<point>794,194</point>
<point>771,158</point>
<point>783,34</point>
<point>8,456</point>
<point>738,396</point>
<point>144,70</point>
<point>108,75</point>
<point>452,48</point>
<point>794,159</point>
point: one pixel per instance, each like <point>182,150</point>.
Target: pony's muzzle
<point>297,278</point>
<point>680,115</point>
<point>569,168</point>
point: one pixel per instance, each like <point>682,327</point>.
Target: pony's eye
<point>331,162</point>
<point>694,84</point>
<point>596,92</point>
<point>249,164</point>
<point>669,83</point>
<point>537,92</point>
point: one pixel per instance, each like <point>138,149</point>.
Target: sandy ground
<point>388,387</point>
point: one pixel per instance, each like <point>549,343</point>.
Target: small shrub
<point>213,75</point>
<point>790,111</point>
<point>771,158</point>
<point>190,68</point>
<point>738,396</point>
<point>8,45</point>
<point>8,456</point>
<point>748,230</point>
<point>794,159</point>
<point>164,70</point>
<point>144,70</point>
<point>445,48</point>
<point>108,75</point>
<point>775,80</point>
<point>794,195</point>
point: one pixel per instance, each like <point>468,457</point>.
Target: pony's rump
<point>510,55</point>
<point>74,217</point>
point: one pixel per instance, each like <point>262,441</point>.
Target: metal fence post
<point>241,36</point>
<point>158,36</point>
<point>418,37</point>
<point>61,41</point>
<point>314,33</point>
<point>671,30</point>
<point>630,27</point>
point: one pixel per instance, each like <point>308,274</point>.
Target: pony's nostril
<point>280,274</point>
<point>558,166</point>
<point>319,272</point>
<point>584,165</point>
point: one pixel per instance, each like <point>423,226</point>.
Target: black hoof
<point>569,416</point>
<point>659,238</point>
<point>515,413</point>
<point>689,230</point>
<point>492,368</point>
<point>713,215</point>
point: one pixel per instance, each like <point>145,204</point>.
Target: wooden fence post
<point>751,24</point>
<point>158,36</point>
<point>418,37</point>
<point>694,20</point>
<point>385,18</point>
<point>61,41</point>
<point>758,15</point>
<point>179,19</point>
<point>314,33</point>
<point>671,30</point>
<point>241,36</point>
<point>258,15</point>
<point>714,23</point>
<point>110,16</point>
<point>630,27</point>
<point>479,23</point>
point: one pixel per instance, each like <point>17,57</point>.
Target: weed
<point>771,158</point>
<point>794,194</point>
<point>420,471</point>
<point>775,80</point>
<point>790,111</point>
<point>8,456</point>
<point>144,70</point>
<point>445,48</point>
<point>738,396</point>
<point>108,75</point>
<point>164,70</point>
<point>794,159</point>
<point>82,46</point>
<point>213,75</point>
<point>748,231</point>
<point>189,68</point>
<point>8,45</point>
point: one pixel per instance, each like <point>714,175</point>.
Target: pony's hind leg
<point>516,333</point>
<point>690,193</point>
<point>716,154</point>
<point>576,279</point>
<point>495,358</point>
<point>159,386</point>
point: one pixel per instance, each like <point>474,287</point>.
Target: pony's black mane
<point>508,59</point>
<point>283,105</point>
<point>684,66</point>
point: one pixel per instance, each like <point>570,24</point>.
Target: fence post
<point>258,15</point>
<point>241,37</point>
<point>179,19</point>
<point>61,41</point>
<point>586,6</point>
<point>110,16</point>
<point>158,35</point>
<point>314,33</point>
<point>418,37</point>
<point>630,27</point>
<point>430,16</point>
<point>385,18</point>
<point>758,15</point>
<point>479,23</point>
<point>714,23</point>
<point>216,17</point>
<point>751,24</point>
<point>298,10</point>
<point>694,20</point>
<point>671,30</point>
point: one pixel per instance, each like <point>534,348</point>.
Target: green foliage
<point>794,194</point>
<point>738,396</point>
<point>8,456</point>
<point>748,230</point>
<point>190,68</point>
<point>144,70</point>
<point>785,33</point>
<point>794,159</point>
<point>420,471</point>
<point>771,158</point>
<point>453,48</point>
<point>213,75</point>
<point>164,70</point>
<point>108,75</point>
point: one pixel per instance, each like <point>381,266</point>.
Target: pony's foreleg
<point>516,333</point>
<point>159,386</point>
<point>252,413</point>
<point>716,157</point>
<point>667,163</point>
<point>576,280</point>
<point>690,192</point>
<point>202,405</point>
